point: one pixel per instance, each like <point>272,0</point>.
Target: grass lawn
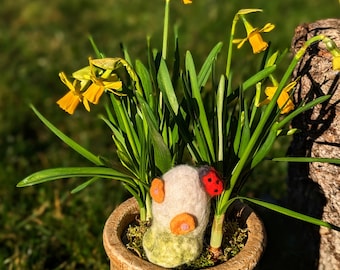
<point>46,227</point>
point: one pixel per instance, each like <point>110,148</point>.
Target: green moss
<point>233,241</point>
<point>134,238</point>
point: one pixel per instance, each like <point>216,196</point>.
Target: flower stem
<point>258,131</point>
<point>148,206</point>
<point>219,109</point>
<point>230,46</point>
<point>216,234</point>
<point>165,28</point>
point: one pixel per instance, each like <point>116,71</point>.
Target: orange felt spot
<point>157,190</point>
<point>182,224</point>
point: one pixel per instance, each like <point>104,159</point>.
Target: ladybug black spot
<point>209,180</point>
<point>217,182</point>
<point>215,190</point>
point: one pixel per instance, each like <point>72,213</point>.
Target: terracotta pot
<point>122,258</point>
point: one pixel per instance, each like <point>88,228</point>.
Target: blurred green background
<point>45,227</point>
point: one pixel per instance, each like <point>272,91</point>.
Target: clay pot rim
<point>126,213</point>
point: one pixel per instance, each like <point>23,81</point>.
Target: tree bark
<point>314,188</point>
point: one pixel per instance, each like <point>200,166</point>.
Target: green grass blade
<point>115,131</point>
<point>145,152</point>
<point>122,150</point>
<point>291,213</point>
<point>196,94</point>
<point>219,111</point>
<point>95,48</point>
<point>302,109</point>
<point>59,173</point>
<point>145,79</point>
<point>203,153</point>
<point>126,54</point>
<point>265,147</point>
<point>205,71</point>
<point>162,153</point>
<point>176,68</point>
<point>264,73</point>
<point>71,143</point>
<point>163,158</point>
<point>308,159</point>
<point>84,185</point>
<point>237,138</point>
<point>245,137</point>
<point>125,124</point>
<point>166,87</point>
<point>109,112</point>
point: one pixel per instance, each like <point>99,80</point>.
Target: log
<point>314,188</point>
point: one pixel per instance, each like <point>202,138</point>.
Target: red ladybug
<point>212,182</point>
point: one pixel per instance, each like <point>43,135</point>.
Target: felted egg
<point>180,214</point>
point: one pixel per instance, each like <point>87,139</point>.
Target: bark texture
<point>314,188</point>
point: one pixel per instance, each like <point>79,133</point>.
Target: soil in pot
<point>243,243</point>
<point>234,239</point>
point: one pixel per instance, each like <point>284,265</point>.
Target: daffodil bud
<point>331,46</point>
<point>292,131</point>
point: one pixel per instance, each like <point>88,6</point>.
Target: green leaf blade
<point>162,153</point>
<point>49,175</point>
<point>206,69</point>
<point>264,73</point>
<point>196,94</point>
<point>145,78</point>
<point>71,143</point>
<point>308,159</point>
<point>291,213</point>
<point>166,87</point>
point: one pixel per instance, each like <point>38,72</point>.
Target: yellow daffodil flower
<point>88,86</point>
<point>254,36</point>
<point>96,89</point>
<point>336,63</point>
<point>70,101</point>
<point>106,80</point>
<point>284,101</point>
<point>83,75</point>
<point>187,2</point>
